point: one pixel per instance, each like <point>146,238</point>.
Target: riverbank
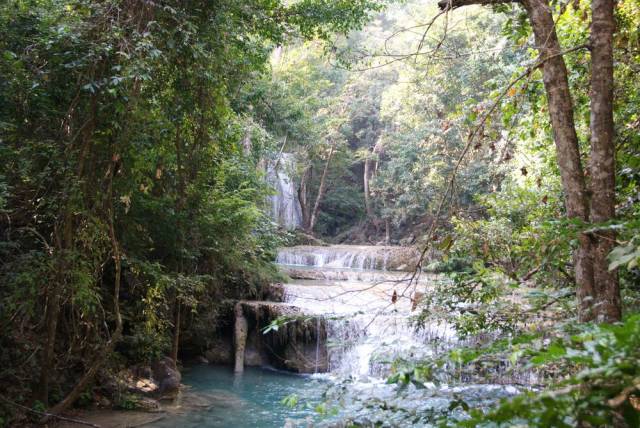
<point>215,397</point>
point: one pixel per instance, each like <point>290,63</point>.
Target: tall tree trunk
<point>597,289</point>
<point>176,333</point>
<point>64,245</point>
<point>88,376</point>
<point>321,191</point>
<point>387,231</point>
<point>181,202</point>
<point>556,84</point>
<point>602,159</point>
<point>302,196</point>
<point>367,195</point>
<point>52,312</point>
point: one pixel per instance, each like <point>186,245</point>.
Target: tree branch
<point>454,4</point>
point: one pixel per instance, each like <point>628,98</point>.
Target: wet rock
<point>408,240</point>
<point>403,259</point>
<point>274,293</point>
<point>144,386</point>
<point>166,374</point>
<point>102,401</point>
<point>142,371</point>
<point>253,355</point>
<point>147,404</point>
<point>303,238</point>
<point>189,401</point>
<point>299,344</point>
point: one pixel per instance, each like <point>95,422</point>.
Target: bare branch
<point>454,4</point>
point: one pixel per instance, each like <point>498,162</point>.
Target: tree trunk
<point>597,289</point>
<point>602,159</point>
<point>176,333</point>
<point>88,376</point>
<point>367,195</point>
<point>321,191</point>
<point>52,313</point>
<point>564,132</point>
<point>64,244</point>
<point>302,196</point>
<point>387,231</point>
<point>180,204</point>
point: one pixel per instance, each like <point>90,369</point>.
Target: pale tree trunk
<point>367,195</point>
<point>602,159</point>
<point>302,196</point>
<point>321,191</point>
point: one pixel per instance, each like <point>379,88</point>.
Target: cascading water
<point>285,207</point>
<point>356,257</point>
<point>369,320</point>
<point>368,314</point>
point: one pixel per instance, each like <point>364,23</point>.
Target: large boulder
<point>167,376</point>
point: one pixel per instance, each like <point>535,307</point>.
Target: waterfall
<point>368,310</point>
<point>367,328</point>
<point>285,207</point>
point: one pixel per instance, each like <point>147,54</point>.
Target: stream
<point>367,307</point>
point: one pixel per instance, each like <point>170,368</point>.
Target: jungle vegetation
<point>501,138</point>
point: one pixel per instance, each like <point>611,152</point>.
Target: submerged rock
<point>147,404</point>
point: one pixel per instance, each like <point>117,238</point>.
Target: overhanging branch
<point>454,4</point>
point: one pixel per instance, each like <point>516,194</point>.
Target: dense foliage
<point>130,207</point>
<point>503,237</point>
<point>134,139</point>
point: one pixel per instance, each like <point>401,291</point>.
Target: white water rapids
<point>368,310</point>
<point>368,313</point>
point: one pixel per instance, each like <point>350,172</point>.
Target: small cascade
<point>349,257</point>
<point>366,300</point>
<point>285,207</point>
<point>366,330</point>
<point>368,311</point>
